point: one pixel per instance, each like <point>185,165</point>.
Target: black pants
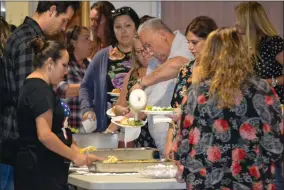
<point>32,173</point>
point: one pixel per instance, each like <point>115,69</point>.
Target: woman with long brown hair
<point>229,135</point>
<point>100,21</point>
<point>196,33</point>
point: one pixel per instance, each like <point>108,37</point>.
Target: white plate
<point>158,112</point>
<point>119,118</point>
<point>110,113</point>
<point>114,94</point>
<point>114,99</point>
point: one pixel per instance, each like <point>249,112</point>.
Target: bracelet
<point>140,83</point>
<point>274,82</point>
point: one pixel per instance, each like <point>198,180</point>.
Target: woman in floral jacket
<point>229,136</point>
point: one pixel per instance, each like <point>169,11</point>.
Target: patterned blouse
<point>268,66</point>
<point>182,85</point>
<point>118,66</point>
<point>236,148</point>
<point>75,75</point>
<point>181,89</point>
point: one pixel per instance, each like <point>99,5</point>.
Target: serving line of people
<point>228,134</point>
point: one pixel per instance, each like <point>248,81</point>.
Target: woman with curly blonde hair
<point>229,136</point>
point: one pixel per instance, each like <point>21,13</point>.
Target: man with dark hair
<point>50,18</point>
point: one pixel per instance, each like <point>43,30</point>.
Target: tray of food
<point>114,165</point>
<point>126,153</point>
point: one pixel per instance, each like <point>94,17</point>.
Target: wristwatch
<point>274,82</point>
<point>139,81</point>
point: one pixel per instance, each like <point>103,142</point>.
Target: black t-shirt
<point>36,98</point>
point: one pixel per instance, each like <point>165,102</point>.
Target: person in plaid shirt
<point>50,18</point>
<point>79,47</point>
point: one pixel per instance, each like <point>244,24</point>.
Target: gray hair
<point>154,24</point>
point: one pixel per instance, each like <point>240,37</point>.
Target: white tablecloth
<point>122,182</point>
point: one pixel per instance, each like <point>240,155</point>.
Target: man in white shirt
<point>170,49</point>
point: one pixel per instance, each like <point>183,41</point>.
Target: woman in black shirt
<point>45,146</point>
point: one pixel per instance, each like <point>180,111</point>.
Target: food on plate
<point>88,149</point>
<point>116,90</point>
<point>156,108</point>
<point>111,160</point>
<point>130,122</point>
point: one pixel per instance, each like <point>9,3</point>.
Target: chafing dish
<point>126,166</point>
<point>127,153</point>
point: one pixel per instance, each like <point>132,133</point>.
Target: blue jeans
<point>279,177</point>
<point>6,177</point>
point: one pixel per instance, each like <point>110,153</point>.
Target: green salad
<point>156,108</point>
<point>135,123</point>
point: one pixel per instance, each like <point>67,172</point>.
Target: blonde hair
<point>135,63</point>
<point>225,61</point>
<point>253,19</point>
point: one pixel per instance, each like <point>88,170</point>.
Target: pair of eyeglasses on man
<point>120,11</point>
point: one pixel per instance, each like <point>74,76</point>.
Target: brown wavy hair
<point>226,63</point>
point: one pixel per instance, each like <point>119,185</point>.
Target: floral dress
<point>182,85</point>
<point>145,139</point>
<point>119,64</point>
<point>181,89</point>
<point>235,148</point>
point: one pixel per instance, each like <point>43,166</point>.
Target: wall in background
<point>16,12</point>
<point>142,8</point>
<point>177,15</point>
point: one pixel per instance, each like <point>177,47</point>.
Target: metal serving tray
<point>127,153</point>
<point>125,166</point>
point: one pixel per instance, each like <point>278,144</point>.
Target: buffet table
<point>121,182</point>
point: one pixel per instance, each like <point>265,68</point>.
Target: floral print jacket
<point>236,148</point>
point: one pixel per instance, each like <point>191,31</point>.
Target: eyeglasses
<point>120,11</point>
